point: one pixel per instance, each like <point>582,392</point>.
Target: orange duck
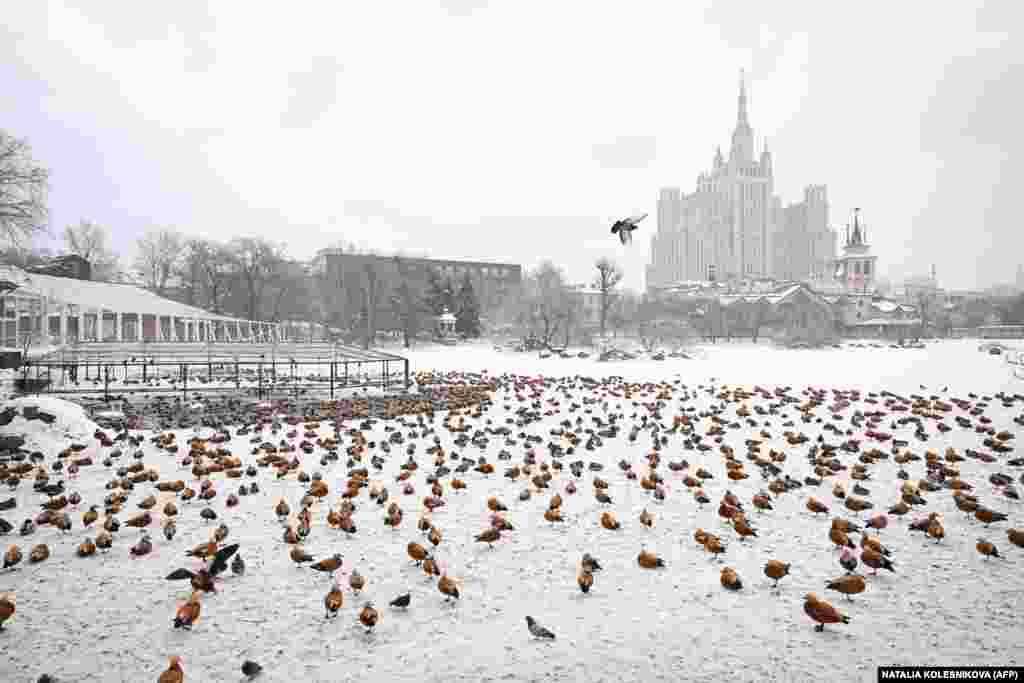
<point>822,612</point>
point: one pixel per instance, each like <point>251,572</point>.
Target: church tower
<point>856,268</point>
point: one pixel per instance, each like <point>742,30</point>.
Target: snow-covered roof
<point>87,294</point>
<point>886,322</point>
<point>774,298</point>
<point>885,306</point>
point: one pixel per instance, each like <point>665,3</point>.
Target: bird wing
<point>626,236</point>
<point>616,226</point>
<point>220,560</point>
<point>180,575</point>
<point>636,218</point>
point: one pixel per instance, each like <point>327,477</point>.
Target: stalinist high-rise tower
<point>733,227</point>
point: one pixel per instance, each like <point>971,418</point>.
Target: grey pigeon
<point>537,630</point>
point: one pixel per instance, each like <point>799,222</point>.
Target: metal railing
<point>263,378</point>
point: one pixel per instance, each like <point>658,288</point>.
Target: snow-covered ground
<point>109,617</point>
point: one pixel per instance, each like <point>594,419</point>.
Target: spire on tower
<point>741,114</point>
<point>742,136</point>
<point>856,239</point>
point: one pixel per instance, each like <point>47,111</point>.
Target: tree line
<point>253,278</point>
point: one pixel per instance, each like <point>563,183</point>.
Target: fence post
<point>144,369</point>
<point>384,380</point>
<point>332,380</point>
<point>184,381</point>
<point>406,374</point>
<point>238,381</point>
<point>106,383</point>
<point>259,384</point>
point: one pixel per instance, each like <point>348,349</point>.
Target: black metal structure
<point>262,371</point>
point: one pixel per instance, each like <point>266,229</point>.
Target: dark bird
<point>538,631</point>
<point>590,563</point>
<point>220,559</point>
<point>238,565</point>
<point>848,560</point>
<point>401,600</point>
<point>251,669</point>
<point>625,227</point>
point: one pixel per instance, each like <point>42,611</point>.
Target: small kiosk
<point>444,328</point>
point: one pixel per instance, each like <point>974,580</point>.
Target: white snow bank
<point>953,363</point>
<point>944,604</point>
<point>71,423</point>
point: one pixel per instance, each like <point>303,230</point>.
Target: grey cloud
<point>313,92</point>
<point>201,53</point>
<point>630,151</point>
<point>997,16</point>
<point>977,100</point>
<point>995,118</point>
<point>463,8</point>
<point>126,24</point>
<point>739,25</point>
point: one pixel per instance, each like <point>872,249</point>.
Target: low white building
<point>54,310</point>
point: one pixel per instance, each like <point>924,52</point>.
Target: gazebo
<point>444,326</point>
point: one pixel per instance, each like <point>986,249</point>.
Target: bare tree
<point>214,263</point>
<point>25,256</point>
<point>190,271</point>
<point>924,305</point>
<point>91,241</point>
<point>623,311</point>
<point>406,304</point>
<point>572,316</point>
<point>24,186</point>
<point>608,278</point>
<point>259,263</point>
<point>547,301</point>
<point>371,298</point>
<point>159,252</point>
<point>760,314</point>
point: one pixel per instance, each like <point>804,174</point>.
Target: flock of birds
<point>659,420</point>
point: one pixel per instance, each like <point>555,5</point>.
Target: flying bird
<point>625,227</point>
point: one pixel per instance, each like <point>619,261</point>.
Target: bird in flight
<point>625,227</point>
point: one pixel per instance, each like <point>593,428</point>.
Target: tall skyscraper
<point>733,226</point>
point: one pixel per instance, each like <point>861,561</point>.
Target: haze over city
<point>517,131</point>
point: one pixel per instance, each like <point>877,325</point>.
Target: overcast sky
<point>516,130</point>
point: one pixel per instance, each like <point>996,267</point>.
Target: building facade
<point>345,279</point>
<point>588,299</point>
<point>733,227</point>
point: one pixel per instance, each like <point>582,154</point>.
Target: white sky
<point>518,129</point>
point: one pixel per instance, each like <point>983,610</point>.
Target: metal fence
<point>261,378</point>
